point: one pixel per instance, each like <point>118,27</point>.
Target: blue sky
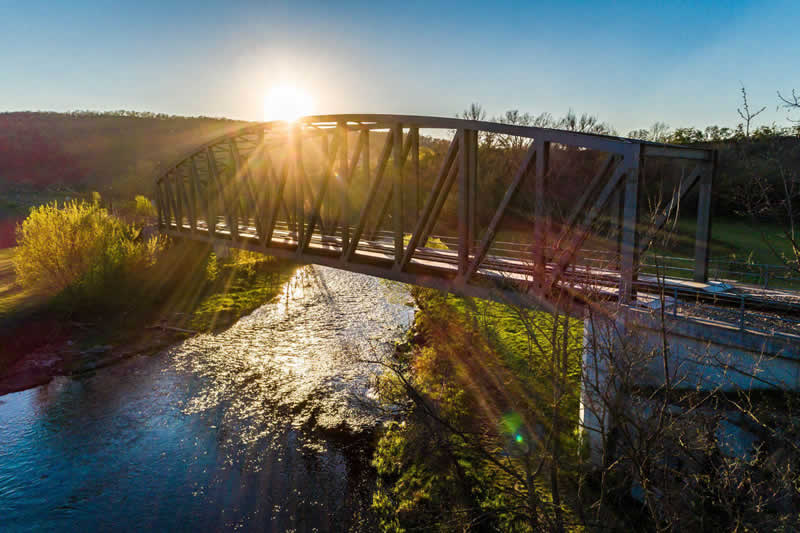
<point>630,63</point>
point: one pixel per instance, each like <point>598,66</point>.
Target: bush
<point>81,253</point>
<point>143,208</point>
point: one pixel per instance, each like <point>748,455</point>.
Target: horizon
<point>612,62</point>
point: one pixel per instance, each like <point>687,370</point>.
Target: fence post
<point>675,302</point>
<point>741,317</point>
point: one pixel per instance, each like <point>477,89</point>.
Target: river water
<point>261,427</point>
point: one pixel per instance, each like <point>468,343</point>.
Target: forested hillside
<point>115,153</point>
<point>45,156</point>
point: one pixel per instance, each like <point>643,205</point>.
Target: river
<point>264,426</point>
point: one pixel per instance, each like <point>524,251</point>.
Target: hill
<point>45,156</point>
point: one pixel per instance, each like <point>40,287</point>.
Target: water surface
<point>254,428</point>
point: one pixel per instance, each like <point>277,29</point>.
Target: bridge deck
<point>500,277</point>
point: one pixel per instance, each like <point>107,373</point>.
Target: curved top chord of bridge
<point>419,208</point>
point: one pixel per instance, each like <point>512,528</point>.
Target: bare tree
<point>747,115</point>
<point>475,111</point>
<point>792,103</point>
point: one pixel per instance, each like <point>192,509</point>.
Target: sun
<point>286,102</point>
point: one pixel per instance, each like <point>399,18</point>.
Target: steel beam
<point>541,219</point>
<point>466,196</point>
<point>397,191</point>
<point>629,260</point>
<point>703,235</point>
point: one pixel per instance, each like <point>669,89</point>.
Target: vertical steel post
<point>675,302</point>
<point>193,192</point>
<point>365,162</point>
<point>540,217</point>
<point>741,315</point>
<point>178,198</point>
<point>415,169</point>
<point>297,170</point>
<point>703,234</point>
<point>397,192</point>
<point>466,182</point>
<point>616,206</point>
<point>343,174</point>
<point>629,261</point>
<point>261,183</point>
<point>159,206</point>
<point>325,207</point>
<point>168,201</point>
<point>472,233</point>
<point>210,201</point>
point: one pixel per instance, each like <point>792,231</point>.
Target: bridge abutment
<point>633,359</point>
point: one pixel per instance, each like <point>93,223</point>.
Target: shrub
<point>143,208</point>
<point>81,253</point>
<point>212,270</point>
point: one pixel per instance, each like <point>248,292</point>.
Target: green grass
<point>740,240</point>
<point>731,238</point>
<point>239,292</point>
<point>521,339</point>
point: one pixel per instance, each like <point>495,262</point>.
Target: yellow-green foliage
<point>79,250</point>
<point>143,207</point>
<point>96,198</point>
<point>432,242</point>
<point>212,270</point>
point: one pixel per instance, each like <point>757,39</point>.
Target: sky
<point>629,63</point>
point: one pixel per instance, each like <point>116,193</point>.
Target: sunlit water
<point>255,428</point>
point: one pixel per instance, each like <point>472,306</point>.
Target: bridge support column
<point>625,352</point>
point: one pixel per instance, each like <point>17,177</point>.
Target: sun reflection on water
<point>301,358</point>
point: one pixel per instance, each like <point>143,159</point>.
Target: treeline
<point>116,113</point>
<point>116,153</point>
<point>752,159</point>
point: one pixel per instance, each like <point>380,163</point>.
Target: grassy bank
<point>482,415</point>
<point>179,295</point>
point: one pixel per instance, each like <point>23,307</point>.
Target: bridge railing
<point>318,190</point>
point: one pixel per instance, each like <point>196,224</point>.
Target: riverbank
<point>485,392</point>
<point>188,291</point>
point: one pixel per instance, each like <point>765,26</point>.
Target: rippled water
<point>253,428</point>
